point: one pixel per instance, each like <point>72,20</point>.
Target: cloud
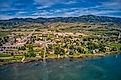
<point>42,7</point>
<point>21,13</point>
<point>105,12</point>
<point>49,3</point>
<point>114,4</point>
<point>70,2</point>
<point>45,2</point>
<point>6,17</point>
<point>53,8</point>
<point>42,13</point>
<point>91,10</point>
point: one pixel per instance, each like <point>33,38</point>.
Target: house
<point>18,40</point>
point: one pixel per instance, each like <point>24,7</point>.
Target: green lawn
<point>115,45</point>
<point>3,34</point>
<point>6,57</point>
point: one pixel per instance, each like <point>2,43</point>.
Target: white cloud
<point>86,11</point>
<point>45,2</point>
<point>4,17</point>
<point>42,7</point>
<point>114,4</point>
<point>42,13</point>
<point>21,12</point>
<point>105,12</point>
<point>70,2</point>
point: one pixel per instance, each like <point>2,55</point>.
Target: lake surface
<point>105,68</point>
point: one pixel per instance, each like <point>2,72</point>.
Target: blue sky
<point>58,8</point>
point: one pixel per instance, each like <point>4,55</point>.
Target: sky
<point>58,8</point>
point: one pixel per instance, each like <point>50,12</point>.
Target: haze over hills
<point>84,18</point>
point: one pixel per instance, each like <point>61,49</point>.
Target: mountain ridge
<point>83,18</point>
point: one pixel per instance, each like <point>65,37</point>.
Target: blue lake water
<point>105,68</point>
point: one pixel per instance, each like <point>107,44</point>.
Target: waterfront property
<point>45,44</point>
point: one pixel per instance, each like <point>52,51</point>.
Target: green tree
<point>30,52</point>
<point>114,49</point>
<point>57,50</point>
<point>62,52</point>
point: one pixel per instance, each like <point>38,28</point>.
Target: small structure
<point>95,51</point>
<point>18,40</point>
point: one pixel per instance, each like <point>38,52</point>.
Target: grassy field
<point>3,34</point>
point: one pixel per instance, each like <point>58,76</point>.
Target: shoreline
<point>81,56</point>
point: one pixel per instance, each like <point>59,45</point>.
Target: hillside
<point>15,22</point>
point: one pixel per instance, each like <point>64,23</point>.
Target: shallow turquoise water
<point>106,68</point>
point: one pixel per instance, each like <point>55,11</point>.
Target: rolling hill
<point>15,22</point>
